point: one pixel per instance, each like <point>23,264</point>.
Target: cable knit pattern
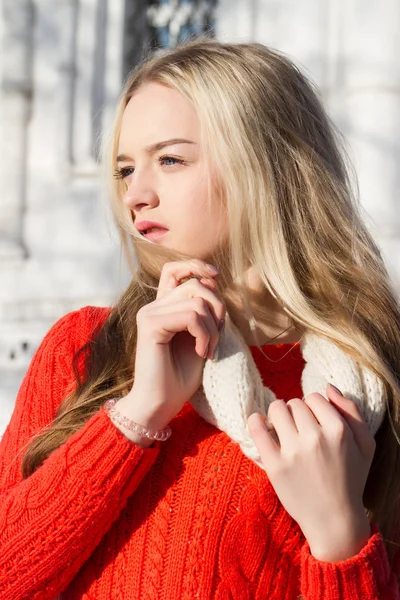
<point>192,517</point>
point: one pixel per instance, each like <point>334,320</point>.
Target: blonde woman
<point>136,463</point>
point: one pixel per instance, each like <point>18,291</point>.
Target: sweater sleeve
<point>366,576</point>
<point>51,522</point>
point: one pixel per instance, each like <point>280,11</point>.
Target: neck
<point>275,330</point>
<point>272,324</point>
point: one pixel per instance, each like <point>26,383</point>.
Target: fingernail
<point>213,269</point>
<point>216,353</point>
<point>206,352</point>
<point>221,326</point>
<point>335,388</point>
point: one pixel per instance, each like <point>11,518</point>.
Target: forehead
<point>156,112</point>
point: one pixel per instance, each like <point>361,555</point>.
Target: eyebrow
<point>156,147</point>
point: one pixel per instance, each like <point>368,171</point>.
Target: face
<point>161,161</point>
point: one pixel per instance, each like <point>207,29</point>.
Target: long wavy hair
<point>287,188</point>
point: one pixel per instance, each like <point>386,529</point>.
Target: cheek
<point>190,196</point>
<point>207,220</point>
<point>190,205</point>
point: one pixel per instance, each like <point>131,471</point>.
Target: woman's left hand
<point>318,463</point>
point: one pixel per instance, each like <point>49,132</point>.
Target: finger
<point>173,272</point>
<point>324,412</point>
<point>280,417</point>
<point>168,324</point>
<point>194,289</point>
<point>210,283</point>
<point>303,417</point>
<point>199,305</point>
<point>191,288</point>
<point>355,420</point>
<point>268,447</point>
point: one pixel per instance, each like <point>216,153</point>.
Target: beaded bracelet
<point>116,417</point>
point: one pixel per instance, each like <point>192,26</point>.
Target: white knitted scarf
<point>232,388</point>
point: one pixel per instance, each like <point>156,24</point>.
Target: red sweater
<point>188,518</point>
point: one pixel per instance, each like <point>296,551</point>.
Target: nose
<point>140,192</point>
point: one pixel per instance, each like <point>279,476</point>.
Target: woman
<point>136,463</point>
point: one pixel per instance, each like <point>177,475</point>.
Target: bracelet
<point>116,417</point>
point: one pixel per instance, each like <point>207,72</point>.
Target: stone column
<point>73,255</point>
<point>15,106</point>
<point>371,97</point>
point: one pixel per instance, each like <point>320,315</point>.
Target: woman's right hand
<point>175,334</point>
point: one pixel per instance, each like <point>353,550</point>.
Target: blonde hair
<point>292,214</point>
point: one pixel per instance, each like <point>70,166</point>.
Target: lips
<point>155,234</point>
<point>153,230</point>
<point>144,227</point>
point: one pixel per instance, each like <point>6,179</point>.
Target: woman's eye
<point>124,172</point>
<point>170,161</point>
<point>167,161</point>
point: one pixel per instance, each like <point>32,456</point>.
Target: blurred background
<point>62,64</point>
